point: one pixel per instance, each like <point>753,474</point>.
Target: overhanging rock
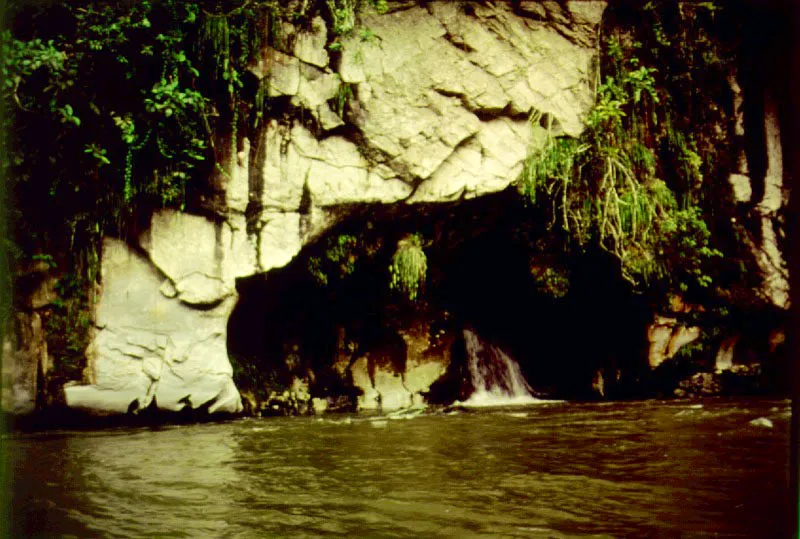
<point>438,108</point>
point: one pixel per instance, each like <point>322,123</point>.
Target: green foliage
<point>632,182</point>
<point>685,249</point>
<point>344,94</point>
<point>317,271</point>
<point>341,251</point>
<point>409,267</point>
<point>47,259</point>
<point>343,15</point>
<point>109,117</point>
<point>380,6</point>
<point>367,35</point>
<point>60,84</point>
<point>551,281</point>
<point>124,89</point>
<point>68,321</point>
<point>338,260</point>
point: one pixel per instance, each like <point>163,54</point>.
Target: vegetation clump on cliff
<point>113,109</point>
<point>409,267</point>
<point>92,157</point>
<point>643,180</point>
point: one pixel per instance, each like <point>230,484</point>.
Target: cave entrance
<point>486,261</point>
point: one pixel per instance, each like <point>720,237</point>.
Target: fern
<point>409,268</point>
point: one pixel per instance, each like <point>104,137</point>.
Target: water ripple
<point>565,470</point>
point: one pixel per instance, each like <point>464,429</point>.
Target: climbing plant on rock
<point>632,184</point>
<point>409,267</point>
<point>116,108</point>
<point>108,111</point>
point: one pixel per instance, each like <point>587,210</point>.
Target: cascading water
<point>497,378</point>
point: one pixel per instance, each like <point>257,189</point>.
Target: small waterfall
<point>497,378</point>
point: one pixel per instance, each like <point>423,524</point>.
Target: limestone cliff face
<point>434,107</point>
<point>759,196</point>
<point>766,205</point>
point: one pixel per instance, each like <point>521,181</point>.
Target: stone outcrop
<point>394,373</point>
<point>24,361</point>
<point>386,388</point>
<point>666,334</point>
<point>434,102</point>
<point>764,231</point>
<point>436,106</point>
<point>723,361</point>
<point>161,325</point>
<point>433,105</point>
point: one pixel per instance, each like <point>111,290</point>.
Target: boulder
<point>149,346</point>
<point>666,336</point>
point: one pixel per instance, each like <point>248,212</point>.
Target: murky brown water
<point>549,470</point>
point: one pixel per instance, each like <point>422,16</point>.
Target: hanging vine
<point>409,267</point>
<point>631,183</point>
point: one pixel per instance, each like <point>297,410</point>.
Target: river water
<point>644,469</point>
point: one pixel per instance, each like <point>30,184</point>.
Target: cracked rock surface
<point>150,346</point>
<point>440,107</point>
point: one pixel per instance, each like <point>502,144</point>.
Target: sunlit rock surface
<point>435,106</point>
<point>155,347</point>
<point>666,335</point>
<point>436,102</point>
<point>765,230</point>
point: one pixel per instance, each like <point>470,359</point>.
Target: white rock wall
<point>440,107</point>
<point>766,224</point>
<point>152,340</point>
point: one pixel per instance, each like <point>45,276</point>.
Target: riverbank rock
<point>156,347</point>
<point>666,334</point>
<point>758,184</point>
<point>738,380</point>
<point>666,337</point>
<point>434,108</point>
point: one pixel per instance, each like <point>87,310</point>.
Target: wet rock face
<point>392,380</point>
<point>666,336</point>
<point>389,370</point>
